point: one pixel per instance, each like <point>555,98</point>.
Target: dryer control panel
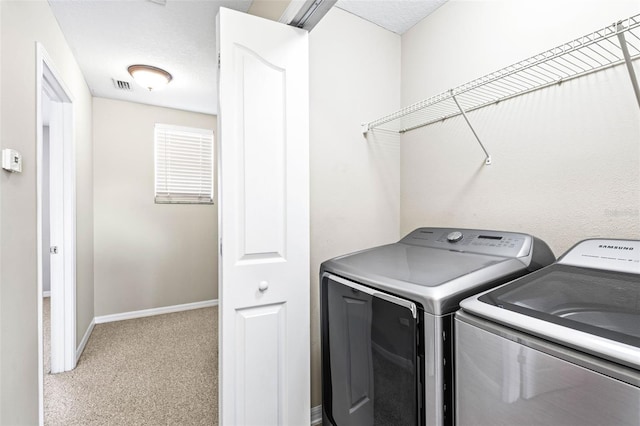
<point>497,243</point>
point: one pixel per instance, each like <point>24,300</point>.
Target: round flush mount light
<point>149,77</point>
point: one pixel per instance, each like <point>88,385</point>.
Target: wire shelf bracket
<point>613,45</point>
<point>487,160</point>
<point>627,60</point>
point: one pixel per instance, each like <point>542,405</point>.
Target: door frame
<point>63,327</point>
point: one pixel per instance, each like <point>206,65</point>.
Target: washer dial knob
<point>454,236</point>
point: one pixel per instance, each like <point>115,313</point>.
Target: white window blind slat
<point>187,163</point>
<point>184,165</point>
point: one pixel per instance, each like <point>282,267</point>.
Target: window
<point>184,164</point>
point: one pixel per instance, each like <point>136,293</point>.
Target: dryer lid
<point>434,278</point>
<point>423,266</point>
<point>430,257</point>
<point>438,267</point>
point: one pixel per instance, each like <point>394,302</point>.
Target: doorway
<point>55,221</point>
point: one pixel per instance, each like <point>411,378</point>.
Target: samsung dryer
<point>387,320</point>
<point>560,346</point>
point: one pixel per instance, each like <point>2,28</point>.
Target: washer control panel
<point>607,254</point>
<point>507,244</point>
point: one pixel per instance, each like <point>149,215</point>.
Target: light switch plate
<point>11,160</point>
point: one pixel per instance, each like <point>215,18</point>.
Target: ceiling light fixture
<point>152,78</point>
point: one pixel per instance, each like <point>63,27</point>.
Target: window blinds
<point>184,164</point>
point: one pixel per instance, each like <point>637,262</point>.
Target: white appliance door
<point>263,195</point>
<point>371,371</point>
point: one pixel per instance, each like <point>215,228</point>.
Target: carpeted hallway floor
<point>159,370</point>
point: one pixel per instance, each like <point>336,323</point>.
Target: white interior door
<point>56,234</point>
<point>55,100</point>
<point>263,194</point>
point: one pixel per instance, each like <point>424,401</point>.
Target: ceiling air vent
<point>122,85</point>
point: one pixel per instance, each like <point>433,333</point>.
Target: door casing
<point>63,289</point>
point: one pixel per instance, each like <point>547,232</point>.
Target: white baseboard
<point>316,415</point>
<point>46,293</point>
<point>155,311</point>
<point>85,339</point>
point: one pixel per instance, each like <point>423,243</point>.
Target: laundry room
<point>515,123</point>
<point>564,159</point>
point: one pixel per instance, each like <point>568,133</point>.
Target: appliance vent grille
<point>122,85</point>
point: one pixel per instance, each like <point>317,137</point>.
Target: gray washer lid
<point>602,303</point>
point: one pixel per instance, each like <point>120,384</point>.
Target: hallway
<point>156,370</point>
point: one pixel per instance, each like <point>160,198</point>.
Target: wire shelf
<point>593,52</point>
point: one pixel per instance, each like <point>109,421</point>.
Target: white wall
<point>23,23</point>
<point>566,158</point>
<point>147,255</point>
<point>355,183</point>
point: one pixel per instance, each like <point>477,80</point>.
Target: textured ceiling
<point>106,36</point>
<point>394,15</point>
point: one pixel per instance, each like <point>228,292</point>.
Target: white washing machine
<point>387,320</point>
<point>560,346</point>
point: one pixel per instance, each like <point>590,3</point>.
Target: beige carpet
<point>158,370</point>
